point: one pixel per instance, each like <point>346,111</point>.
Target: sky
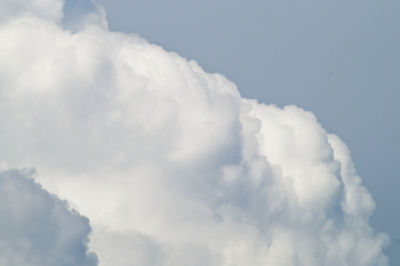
<point>338,59</point>
<point>126,149</point>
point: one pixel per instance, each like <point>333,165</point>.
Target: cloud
<point>68,14</point>
<point>78,13</point>
<point>170,164</point>
<point>46,9</point>
<point>37,228</point>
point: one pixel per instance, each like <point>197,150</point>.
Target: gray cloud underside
<point>37,228</point>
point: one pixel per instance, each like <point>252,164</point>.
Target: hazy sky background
<point>339,59</point>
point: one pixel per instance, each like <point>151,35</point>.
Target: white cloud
<point>46,9</point>
<point>171,165</point>
<point>37,228</point>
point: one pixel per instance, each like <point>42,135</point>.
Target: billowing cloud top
<point>170,164</point>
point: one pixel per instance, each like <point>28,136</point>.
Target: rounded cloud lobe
<point>170,164</point>
<point>37,228</point>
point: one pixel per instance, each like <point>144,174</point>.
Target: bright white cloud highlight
<point>170,164</point>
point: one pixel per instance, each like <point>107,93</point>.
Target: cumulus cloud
<point>170,164</point>
<point>37,228</point>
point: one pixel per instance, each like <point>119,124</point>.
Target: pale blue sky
<point>340,59</point>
